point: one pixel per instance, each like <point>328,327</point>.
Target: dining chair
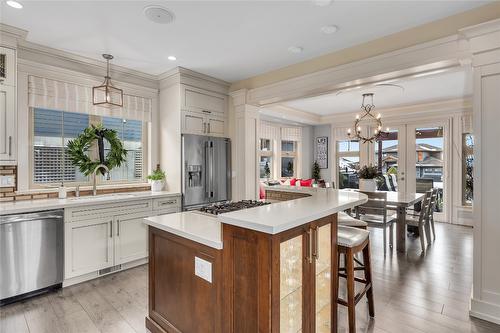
<point>420,220</point>
<point>430,211</point>
<point>374,212</point>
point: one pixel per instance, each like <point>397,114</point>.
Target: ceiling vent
<point>159,14</point>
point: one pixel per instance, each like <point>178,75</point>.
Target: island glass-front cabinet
<point>281,283</point>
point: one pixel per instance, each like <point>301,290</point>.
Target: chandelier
<point>106,94</point>
<point>369,119</point>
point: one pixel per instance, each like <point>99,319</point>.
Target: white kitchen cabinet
<point>131,239</point>
<point>7,123</point>
<point>107,235</point>
<point>203,123</point>
<point>196,99</point>
<point>7,66</point>
<point>88,246</point>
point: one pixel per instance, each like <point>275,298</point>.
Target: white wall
<point>307,153</point>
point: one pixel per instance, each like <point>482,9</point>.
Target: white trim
<point>485,311</point>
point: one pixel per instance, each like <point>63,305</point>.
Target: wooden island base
<point>260,282</point>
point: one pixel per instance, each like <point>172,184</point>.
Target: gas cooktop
<point>226,207</point>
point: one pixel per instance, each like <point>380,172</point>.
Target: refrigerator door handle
<point>207,169</point>
<point>184,167</point>
<point>212,157</point>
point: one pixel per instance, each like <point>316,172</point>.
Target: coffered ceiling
<point>230,40</point>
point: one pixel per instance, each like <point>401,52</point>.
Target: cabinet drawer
<point>201,100</point>
<point>166,203</point>
<point>105,210</point>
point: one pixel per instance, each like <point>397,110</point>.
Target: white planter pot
<point>157,185</point>
<point>368,185</point>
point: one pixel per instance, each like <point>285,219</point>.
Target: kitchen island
<point>271,268</point>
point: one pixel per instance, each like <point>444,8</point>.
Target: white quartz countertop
<point>281,216</point>
<point>198,227</point>
<point>25,206</point>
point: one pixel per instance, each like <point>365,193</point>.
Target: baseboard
<point>485,311</point>
<point>95,275</point>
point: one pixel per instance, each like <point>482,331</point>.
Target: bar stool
<point>351,241</point>
<point>347,220</point>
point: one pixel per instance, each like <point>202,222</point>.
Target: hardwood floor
<point>413,293</point>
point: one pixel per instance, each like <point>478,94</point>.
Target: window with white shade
<point>348,163</point>
<point>53,129</point>
<point>288,158</point>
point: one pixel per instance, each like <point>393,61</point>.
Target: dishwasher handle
<point>49,214</point>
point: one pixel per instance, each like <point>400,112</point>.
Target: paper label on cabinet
<point>203,269</point>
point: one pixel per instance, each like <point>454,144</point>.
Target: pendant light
<point>106,95</point>
<point>367,107</point>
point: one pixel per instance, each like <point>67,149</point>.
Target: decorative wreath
<point>79,147</point>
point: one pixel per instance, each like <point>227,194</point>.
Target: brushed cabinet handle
<point>204,127</point>
<point>207,111</point>
<point>208,124</point>
<point>315,253</point>
<point>111,229</point>
<point>309,246</point>
<point>117,227</point>
<point>10,145</point>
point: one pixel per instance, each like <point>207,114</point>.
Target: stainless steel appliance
<point>31,254</point>
<point>206,171</point>
<point>226,207</point>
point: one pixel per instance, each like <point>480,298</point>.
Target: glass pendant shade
<point>106,95</point>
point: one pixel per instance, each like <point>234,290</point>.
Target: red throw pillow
<point>306,182</point>
<point>293,181</point>
<point>262,192</point>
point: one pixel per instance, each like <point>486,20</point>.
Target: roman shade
<point>65,96</point>
<point>268,131</point>
<point>291,133</point>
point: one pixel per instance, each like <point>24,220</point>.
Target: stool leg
<point>368,278</point>
<point>351,306</point>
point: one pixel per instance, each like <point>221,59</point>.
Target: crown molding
<point>14,32</point>
<point>190,73</point>
<point>286,113</point>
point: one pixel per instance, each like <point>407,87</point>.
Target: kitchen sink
<point>102,197</point>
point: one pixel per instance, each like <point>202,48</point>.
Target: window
<point>467,169</point>
<point>288,158</point>
<point>266,159</point>
<point>52,131</point>
<point>348,163</point>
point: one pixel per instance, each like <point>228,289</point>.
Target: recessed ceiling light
<point>329,29</point>
<point>159,14</point>
<point>172,58</point>
<point>14,4</point>
<point>295,49</point>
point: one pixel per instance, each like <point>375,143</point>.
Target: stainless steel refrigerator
<point>206,171</point>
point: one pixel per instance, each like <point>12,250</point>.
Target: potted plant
<point>267,170</point>
<point>367,175</point>
<point>157,179</point>
<point>316,173</point>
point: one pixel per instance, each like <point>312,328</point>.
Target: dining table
<point>400,202</point>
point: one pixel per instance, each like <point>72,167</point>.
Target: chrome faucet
<point>94,189</point>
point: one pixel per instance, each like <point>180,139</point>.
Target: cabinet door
<point>88,246</point>
<point>7,66</point>
<point>7,123</point>
<point>215,126</point>
<point>323,278</point>
<point>193,123</point>
<point>294,266</point>
<point>202,100</point>
<point>131,241</point>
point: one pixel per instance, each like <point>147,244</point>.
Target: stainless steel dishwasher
<point>31,254</point>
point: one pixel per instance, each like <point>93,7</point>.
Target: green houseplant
<point>267,170</point>
<point>157,178</point>
<point>367,178</point>
<point>316,173</point>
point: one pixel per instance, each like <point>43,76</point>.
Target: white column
<point>484,43</point>
<point>244,131</point>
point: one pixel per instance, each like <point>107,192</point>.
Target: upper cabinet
<point>195,99</point>
<point>7,106</point>
<point>203,112</point>
<point>7,66</point>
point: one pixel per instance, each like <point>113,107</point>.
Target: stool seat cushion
<point>349,221</point>
<point>351,237</point>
